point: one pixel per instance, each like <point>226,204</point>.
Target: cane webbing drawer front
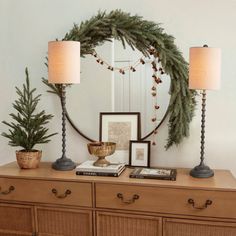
<point>116,224</point>
<point>166,200</point>
<point>7,233</point>
<point>56,192</point>
<point>53,221</point>
<point>176,227</point>
<point>16,220</point>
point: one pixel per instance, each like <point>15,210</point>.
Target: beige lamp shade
<point>64,62</point>
<point>204,68</point>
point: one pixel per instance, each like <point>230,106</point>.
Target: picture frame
<point>119,127</point>
<point>139,153</point>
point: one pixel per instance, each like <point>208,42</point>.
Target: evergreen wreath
<point>142,35</point>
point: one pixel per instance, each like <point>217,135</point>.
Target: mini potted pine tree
<point>28,126</point>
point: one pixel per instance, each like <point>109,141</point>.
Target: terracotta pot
<point>28,160</point>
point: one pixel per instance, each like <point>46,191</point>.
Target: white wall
<point>26,26</point>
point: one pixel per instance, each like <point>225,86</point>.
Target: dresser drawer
<point>166,200</point>
<point>182,227</point>
<point>55,192</point>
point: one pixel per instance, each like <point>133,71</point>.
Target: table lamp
<point>204,74</point>
<point>63,68</point>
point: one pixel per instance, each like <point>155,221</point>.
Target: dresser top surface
<point>222,180</point>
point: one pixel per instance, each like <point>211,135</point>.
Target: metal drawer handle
<point>129,201</point>
<point>11,188</point>
<point>64,195</point>
<point>204,206</point>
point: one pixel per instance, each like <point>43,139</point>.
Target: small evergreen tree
<point>28,127</point>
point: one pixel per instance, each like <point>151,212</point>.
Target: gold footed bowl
<point>101,150</point>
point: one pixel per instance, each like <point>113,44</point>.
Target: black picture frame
<point>123,120</point>
<point>145,152</point>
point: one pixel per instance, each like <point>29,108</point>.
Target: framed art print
<point>139,153</point>
<point>120,128</point>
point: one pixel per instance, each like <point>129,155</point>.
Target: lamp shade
<point>64,62</point>
<point>204,68</point>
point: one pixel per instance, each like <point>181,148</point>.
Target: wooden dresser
<point>45,202</point>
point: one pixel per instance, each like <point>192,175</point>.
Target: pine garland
<point>28,129</point>
<point>142,34</point>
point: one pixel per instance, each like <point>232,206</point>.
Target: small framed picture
<point>139,153</point>
<point>120,128</point>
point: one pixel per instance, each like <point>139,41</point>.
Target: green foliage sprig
<point>28,129</point>
<point>141,34</point>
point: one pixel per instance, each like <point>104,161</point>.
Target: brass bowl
<point>101,150</point>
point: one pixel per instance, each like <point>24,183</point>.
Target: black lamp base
<point>63,164</point>
<point>201,171</point>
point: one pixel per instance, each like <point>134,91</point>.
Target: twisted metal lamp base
<point>202,171</point>
<point>63,163</point>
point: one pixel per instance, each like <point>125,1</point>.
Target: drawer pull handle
<point>64,195</point>
<point>129,201</point>
<point>11,188</point>
<point>207,203</point>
